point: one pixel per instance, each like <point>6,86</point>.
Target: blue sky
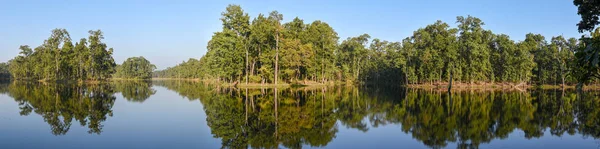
<point>169,32</point>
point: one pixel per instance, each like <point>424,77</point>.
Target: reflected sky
<point>179,114</point>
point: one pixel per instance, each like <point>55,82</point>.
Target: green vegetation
<point>263,50</point>
<point>59,59</point>
<point>135,68</point>
<point>588,57</point>
<point>4,72</point>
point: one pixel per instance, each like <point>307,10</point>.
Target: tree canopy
<point>587,66</point>
<point>135,68</point>
<point>59,59</point>
<point>253,49</point>
<point>589,10</point>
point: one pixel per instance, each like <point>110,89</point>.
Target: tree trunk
<point>252,67</point>
<point>246,68</point>
<point>276,56</point>
<point>563,82</point>
<point>450,83</point>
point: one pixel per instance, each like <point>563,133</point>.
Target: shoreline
<point>436,86</point>
<point>500,86</point>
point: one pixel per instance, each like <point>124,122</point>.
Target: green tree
<point>257,51</point>
<point>589,12</point>
<point>135,68</point>
<point>325,45</point>
<point>512,62</point>
<point>353,51</point>
<point>474,49</point>
<point>4,71</point>
<point>588,55</point>
<point>58,59</point>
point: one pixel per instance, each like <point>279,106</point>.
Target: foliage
<point>135,68</point>
<point>58,59</point>
<point>253,50</point>
<point>589,12</point>
<point>587,66</point>
<point>4,71</point>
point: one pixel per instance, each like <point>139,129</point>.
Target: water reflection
<point>62,103</point>
<point>266,118</point>
<point>135,91</point>
<point>294,118</point>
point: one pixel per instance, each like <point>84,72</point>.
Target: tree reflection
<point>135,91</point>
<point>264,118</point>
<point>297,117</point>
<point>60,104</point>
<point>255,118</point>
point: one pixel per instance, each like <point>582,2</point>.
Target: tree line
<point>59,59</point>
<point>265,50</point>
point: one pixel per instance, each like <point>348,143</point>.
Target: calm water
<point>179,114</point>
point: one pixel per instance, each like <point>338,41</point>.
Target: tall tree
<point>236,20</point>
<point>475,50</point>
<point>276,18</point>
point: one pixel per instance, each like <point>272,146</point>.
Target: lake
<point>183,114</point>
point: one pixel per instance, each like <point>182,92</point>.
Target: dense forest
<point>264,48</point>
<point>135,68</point>
<point>59,59</point>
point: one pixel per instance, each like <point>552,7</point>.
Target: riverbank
<point>254,85</point>
<point>187,79</point>
<point>129,79</point>
<point>298,84</point>
<point>498,86</point>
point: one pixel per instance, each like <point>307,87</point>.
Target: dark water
<point>179,114</point>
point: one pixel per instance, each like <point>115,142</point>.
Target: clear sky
<point>171,31</point>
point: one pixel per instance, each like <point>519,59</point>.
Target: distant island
<point>265,51</point>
